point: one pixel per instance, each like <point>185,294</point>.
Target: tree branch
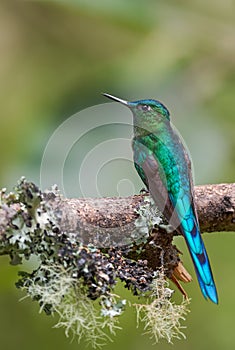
<point>84,245</point>
<point>29,217</point>
<point>115,219</point>
<point>215,206</point>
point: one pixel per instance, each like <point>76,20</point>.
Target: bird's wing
<point>152,174</point>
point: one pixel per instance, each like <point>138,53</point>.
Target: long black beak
<point>116,99</point>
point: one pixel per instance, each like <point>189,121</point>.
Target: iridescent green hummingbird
<point>164,166</point>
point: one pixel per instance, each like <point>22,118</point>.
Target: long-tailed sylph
<point>164,166</point>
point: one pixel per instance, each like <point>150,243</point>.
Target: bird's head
<point>148,114</point>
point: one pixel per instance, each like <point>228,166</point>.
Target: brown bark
<point>112,221</point>
<point>132,224</point>
<point>215,206</point>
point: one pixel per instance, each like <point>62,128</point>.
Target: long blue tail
<point>191,231</point>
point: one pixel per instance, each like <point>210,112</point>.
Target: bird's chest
<point>165,152</point>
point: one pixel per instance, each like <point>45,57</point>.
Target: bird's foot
<point>144,191</point>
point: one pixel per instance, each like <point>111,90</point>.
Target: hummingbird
<point>163,163</point>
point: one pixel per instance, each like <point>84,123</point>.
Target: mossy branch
<point>215,206</point>
<point>84,246</point>
<point>84,216</point>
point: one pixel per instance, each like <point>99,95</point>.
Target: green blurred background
<point>56,59</point>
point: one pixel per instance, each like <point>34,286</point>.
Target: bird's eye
<point>145,108</point>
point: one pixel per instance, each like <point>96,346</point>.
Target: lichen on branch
<point>85,246</point>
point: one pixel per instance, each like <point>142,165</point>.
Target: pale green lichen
<point>161,316</point>
<point>31,228</point>
<point>76,281</point>
<point>148,217</point>
<point>66,296</point>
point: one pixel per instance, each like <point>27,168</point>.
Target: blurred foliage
<point>57,57</point>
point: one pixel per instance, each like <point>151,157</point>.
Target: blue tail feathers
<point>200,258</point>
<point>208,291</point>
